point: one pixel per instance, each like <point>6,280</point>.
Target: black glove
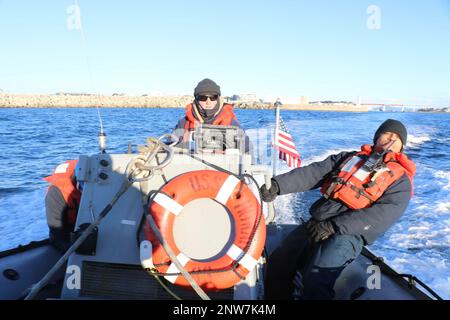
<point>320,230</point>
<point>268,195</point>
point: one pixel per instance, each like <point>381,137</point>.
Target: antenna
<point>101,134</point>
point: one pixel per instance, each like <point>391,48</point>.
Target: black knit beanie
<point>394,126</point>
<point>206,86</point>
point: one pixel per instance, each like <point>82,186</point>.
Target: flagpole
<point>277,124</point>
<point>270,206</point>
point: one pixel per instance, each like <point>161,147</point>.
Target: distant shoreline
<point>235,106</point>
<point>90,101</point>
<point>36,101</point>
<point>121,101</point>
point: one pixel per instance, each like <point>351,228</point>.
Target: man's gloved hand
<point>320,230</point>
<point>268,195</point>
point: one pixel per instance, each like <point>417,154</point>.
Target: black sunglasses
<point>204,98</point>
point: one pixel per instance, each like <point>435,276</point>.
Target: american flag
<point>285,145</point>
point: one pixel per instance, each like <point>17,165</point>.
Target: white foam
<point>415,141</point>
<point>426,235</point>
<point>403,264</point>
<point>412,229</point>
<point>404,240</point>
<point>419,264</point>
<point>284,209</point>
<point>442,287</point>
<point>443,207</point>
<point>285,212</point>
<point>325,155</point>
<point>24,219</point>
<point>442,178</point>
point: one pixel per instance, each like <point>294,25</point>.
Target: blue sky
<point>321,49</point>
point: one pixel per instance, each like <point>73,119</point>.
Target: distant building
<point>304,100</point>
<point>290,100</point>
<point>74,94</point>
<point>330,102</point>
<point>248,97</point>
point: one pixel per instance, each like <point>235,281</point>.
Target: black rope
<point>411,279</point>
<point>238,274</point>
<point>212,165</point>
<point>161,282</point>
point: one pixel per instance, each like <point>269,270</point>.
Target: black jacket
<point>369,223</point>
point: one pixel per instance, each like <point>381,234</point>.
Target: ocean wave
<point>416,141</point>
<point>422,228</point>
<point>422,235</point>
<point>8,191</point>
<point>443,207</point>
<point>285,210</point>
<point>324,155</point>
<point>416,264</point>
<point>442,178</point>
<point>22,218</point>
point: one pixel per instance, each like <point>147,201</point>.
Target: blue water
<point>34,141</point>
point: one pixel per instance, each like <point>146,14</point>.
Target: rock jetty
<point>8,100</point>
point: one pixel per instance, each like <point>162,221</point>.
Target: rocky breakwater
<point>8,100</point>
<point>252,105</point>
<point>88,101</point>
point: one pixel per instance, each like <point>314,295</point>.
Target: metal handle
<point>270,205</point>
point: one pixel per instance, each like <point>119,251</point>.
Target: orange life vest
<point>62,179</point>
<point>223,118</point>
<point>358,188</point>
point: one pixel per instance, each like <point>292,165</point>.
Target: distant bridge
<point>401,106</point>
<point>391,105</point>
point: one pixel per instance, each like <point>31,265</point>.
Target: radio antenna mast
<point>101,135</point>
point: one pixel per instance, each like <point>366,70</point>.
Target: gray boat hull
<point>32,262</point>
<point>24,266</point>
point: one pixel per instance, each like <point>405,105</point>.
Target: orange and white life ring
<point>211,220</point>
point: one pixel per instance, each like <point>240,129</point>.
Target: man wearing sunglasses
<point>207,109</point>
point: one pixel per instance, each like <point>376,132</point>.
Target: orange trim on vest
<point>245,210</point>
<point>357,188</point>
<point>62,179</point>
